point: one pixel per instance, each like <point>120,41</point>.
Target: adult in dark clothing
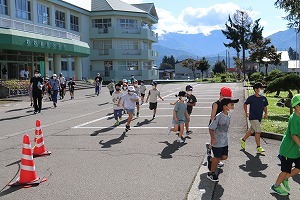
<point>36,86</point>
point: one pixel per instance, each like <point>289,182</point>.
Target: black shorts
<point>72,90</point>
<point>63,86</point>
<point>220,151</point>
<point>287,164</point>
<point>142,95</point>
<point>152,106</point>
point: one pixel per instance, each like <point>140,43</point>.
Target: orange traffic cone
<point>39,148</point>
<point>28,175</point>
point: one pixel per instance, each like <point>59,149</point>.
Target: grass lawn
<point>278,117</point>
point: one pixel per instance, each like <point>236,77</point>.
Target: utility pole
<point>226,58</point>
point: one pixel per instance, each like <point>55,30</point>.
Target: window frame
<point>41,11</point>
<point>23,9</point>
<point>3,7</point>
<point>60,19</point>
<point>73,25</point>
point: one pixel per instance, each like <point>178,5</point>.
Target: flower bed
<point>17,87</point>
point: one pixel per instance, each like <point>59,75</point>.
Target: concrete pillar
<point>11,9</point>
<point>78,68</point>
<point>34,12</point>
<point>70,73</point>
<point>47,65</point>
<point>57,64</point>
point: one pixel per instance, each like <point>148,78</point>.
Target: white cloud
<point>195,20</point>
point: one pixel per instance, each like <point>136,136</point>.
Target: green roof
<point>19,40</point>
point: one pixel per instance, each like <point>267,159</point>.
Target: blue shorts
<point>130,111</point>
<point>220,151</point>
<point>287,163</point>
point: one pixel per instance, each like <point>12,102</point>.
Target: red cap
<point>226,92</point>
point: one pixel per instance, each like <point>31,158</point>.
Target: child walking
<point>116,96</point>
<point>218,130</point>
<point>191,102</point>
<point>71,85</point>
<point>129,103</point>
<point>153,94</point>
<point>289,151</point>
<point>180,116</point>
<point>111,87</point>
<point>225,92</point>
<point>143,91</point>
<point>258,104</point>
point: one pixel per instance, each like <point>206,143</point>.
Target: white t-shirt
<point>143,89</point>
<point>115,99</point>
<point>128,104</point>
<point>153,95</point>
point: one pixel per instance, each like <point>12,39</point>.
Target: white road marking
<point>47,125</point>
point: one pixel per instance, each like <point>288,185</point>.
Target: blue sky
<point>204,16</point>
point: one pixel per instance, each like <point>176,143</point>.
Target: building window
<point>128,65</point>
<point>23,9</point>
<point>147,65</point>
<point>60,20</point>
<point>101,23</point>
<point>127,23</point>
<point>103,46</point>
<point>74,23</point>
<point>43,14</point>
<point>3,7</point>
<point>64,66</point>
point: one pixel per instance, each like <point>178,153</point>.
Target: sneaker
<point>189,132</point>
<point>137,115</point>
<point>212,176</point>
<point>153,117</point>
<point>117,123</point>
<point>55,105</point>
<point>209,162</point>
<point>285,183</point>
<point>278,190</point>
<point>180,140</point>
<point>243,143</point>
<point>31,104</point>
<point>208,149</point>
<point>220,164</point>
<point>260,150</point>
<point>39,111</point>
<point>127,128</point>
<point>34,112</point>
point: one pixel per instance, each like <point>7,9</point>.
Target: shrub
<point>257,77</point>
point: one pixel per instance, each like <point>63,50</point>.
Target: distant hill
<point>183,46</point>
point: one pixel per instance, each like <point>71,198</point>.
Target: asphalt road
<point>91,159</point>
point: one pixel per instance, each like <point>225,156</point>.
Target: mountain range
<point>211,46</point>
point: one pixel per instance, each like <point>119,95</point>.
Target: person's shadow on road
<point>167,152</point>
<point>210,190</point>
<point>112,142</point>
<point>254,165</point>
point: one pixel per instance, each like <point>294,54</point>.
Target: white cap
<point>54,75</point>
<point>131,88</point>
<point>124,80</point>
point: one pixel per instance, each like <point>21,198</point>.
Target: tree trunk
<point>202,76</point>
<point>266,70</point>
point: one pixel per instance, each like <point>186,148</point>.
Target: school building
<point>112,38</point>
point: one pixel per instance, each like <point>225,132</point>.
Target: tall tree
<point>219,67</point>
<point>241,30</point>
<point>264,53</point>
<point>293,55</point>
<point>291,7</point>
<point>202,65</point>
